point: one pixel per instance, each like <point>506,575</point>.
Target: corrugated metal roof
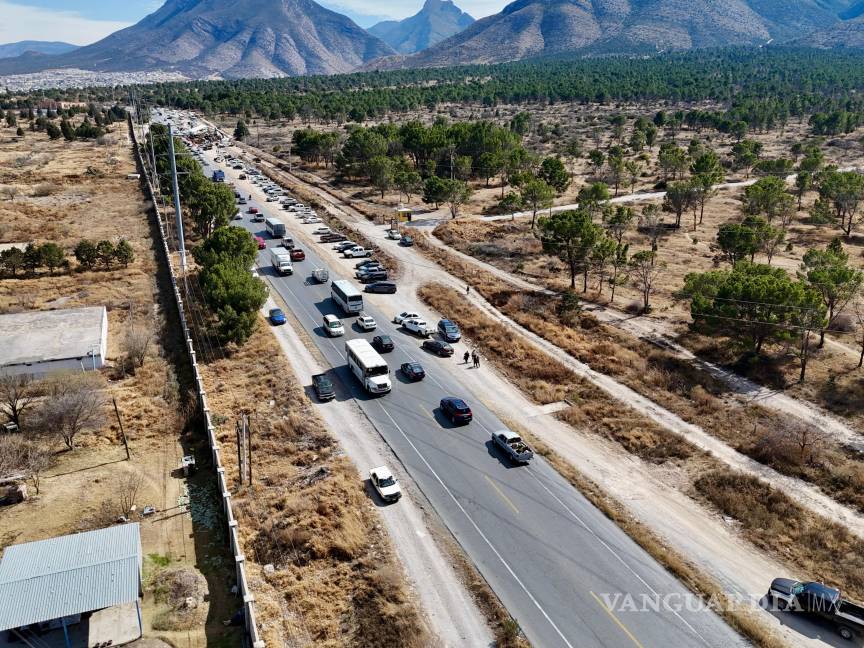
<point>53,578</point>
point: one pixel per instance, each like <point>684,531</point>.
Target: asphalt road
<point>555,561</point>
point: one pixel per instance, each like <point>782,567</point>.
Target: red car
<point>262,244</point>
<point>252,210</point>
<point>298,255</point>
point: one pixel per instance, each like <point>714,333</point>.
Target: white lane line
<point>477,528</point>
<point>614,553</point>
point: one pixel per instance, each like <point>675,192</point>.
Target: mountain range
<point>215,38</point>
<point>437,20</point>
<point>265,38</point>
<point>10,50</point>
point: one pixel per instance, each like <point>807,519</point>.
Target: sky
<point>85,21</point>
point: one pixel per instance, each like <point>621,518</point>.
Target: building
<point>42,342</point>
<point>84,588</point>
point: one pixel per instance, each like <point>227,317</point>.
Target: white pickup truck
<point>513,445</point>
<point>280,259</point>
<point>417,327</point>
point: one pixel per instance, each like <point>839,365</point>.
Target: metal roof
<point>73,574</point>
<point>43,336</point>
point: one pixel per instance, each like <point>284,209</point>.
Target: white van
<point>333,326</point>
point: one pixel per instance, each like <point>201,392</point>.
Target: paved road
<point>552,558</point>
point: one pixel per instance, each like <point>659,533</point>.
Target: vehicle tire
<point>846,633</point>
<point>782,604</point>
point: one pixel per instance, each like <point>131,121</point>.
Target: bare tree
<point>26,457</point>
<point>74,404</point>
<point>16,396</point>
<point>12,453</point>
<point>136,344</point>
<point>10,191</point>
<point>126,491</point>
<point>38,459</point>
<point>858,310</point>
<point>644,271</point>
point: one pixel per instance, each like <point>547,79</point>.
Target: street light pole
<point>181,243</point>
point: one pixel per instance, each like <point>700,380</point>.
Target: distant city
<point>75,78</point>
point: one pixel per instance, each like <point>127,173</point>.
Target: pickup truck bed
<point>512,444</point>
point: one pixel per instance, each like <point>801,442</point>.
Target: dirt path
<point>448,606</point>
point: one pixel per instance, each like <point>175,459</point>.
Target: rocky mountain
<point>9,50</point>
<point>527,28</point>
<point>437,20</point>
<point>215,38</point>
<point>847,34</point>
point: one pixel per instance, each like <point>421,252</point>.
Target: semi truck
<point>821,601</point>
<point>280,259</point>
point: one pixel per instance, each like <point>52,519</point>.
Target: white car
<point>385,484</point>
<point>313,220</point>
<point>394,235</point>
<point>271,199</point>
<point>357,252</point>
<point>321,231</point>
<point>417,327</point>
<point>333,326</point>
<point>405,315</point>
<point>366,322</point>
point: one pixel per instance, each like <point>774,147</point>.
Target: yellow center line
<point>501,493</point>
<point>616,620</point>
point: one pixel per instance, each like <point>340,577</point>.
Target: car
<point>332,237</point>
<point>456,410</point>
<point>407,241</point>
<point>242,176</point>
<point>258,218</point>
<point>413,371</point>
<point>448,331</point>
<point>312,220</point>
<point>276,316</point>
<point>262,244</point>
<point>333,326</point>
<point>252,210</point>
<point>321,231</point>
<point>401,317</point>
<point>381,287</point>
<point>367,262</point>
<point>417,327</point>
<point>241,201</point>
<point>270,198</point>
<point>383,343</point>
<point>298,255</point>
<point>369,270</point>
<point>393,235</point>
<point>385,484</point>
<point>344,245</point>
<point>323,387</point>
<point>439,348</point>
<point>366,322</point>
<point>356,252</point>
<point>238,216</point>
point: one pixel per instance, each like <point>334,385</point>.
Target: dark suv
<point>456,410</point>
<point>448,331</point>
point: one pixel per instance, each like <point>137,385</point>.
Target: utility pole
<point>122,433</point>
<point>181,243</point>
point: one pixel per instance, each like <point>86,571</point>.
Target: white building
<point>42,342</point>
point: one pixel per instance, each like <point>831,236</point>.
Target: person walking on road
<point>467,288</point>
<point>474,358</point>
<point>465,358</point>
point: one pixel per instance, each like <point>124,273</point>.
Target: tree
<point>434,191</point>
<point>593,197</point>
<point>105,252</point>
<point>491,164</point>
<point>597,159</point>
<point>537,195</point>
<point>737,242</point>
<point>136,344</point>
<point>241,132</point>
<point>767,197</point>
<point>844,190</point>
<point>408,182</point>
<point>619,222</point>
<point>803,184</point>
<point>651,222</point>
<point>672,160</point>
<point>632,168</point>
<point>86,254</point>
<point>829,274</point>
<point>67,130</point>
<point>858,310</point>
<point>554,173</point>
<point>745,154</point>
<point>511,203</point>
<point>678,199</point>
<point>645,270</point>
<point>11,120</point>
<point>456,194</point>
<point>382,173</point>
<point>53,131</point>
<point>17,393</point>
<point>571,236</point>
<point>602,255</point>
<point>11,259</point>
<point>707,172</point>
<point>52,255</point>
<point>123,253</point>
<point>619,262</point>
<point>617,169</point>
<point>74,404</point>
<point>227,244</point>
<point>211,204</point>
<point>235,296</point>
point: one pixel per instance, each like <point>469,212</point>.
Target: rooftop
<point>42,336</point>
<point>73,574</point>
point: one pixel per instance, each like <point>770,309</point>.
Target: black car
<point>413,371</point>
<point>323,387</point>
<point>383,287</point>
<point>382,343</point>
<point>406,240</point>
<point>456,410</point>
<point>375,275</point>
<point>439,348</point>
<point>365,263</point>
<point>332,237</point>
<point>449,331</point>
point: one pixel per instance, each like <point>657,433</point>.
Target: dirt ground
<point>68,191</point>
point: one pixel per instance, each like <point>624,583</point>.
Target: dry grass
<point>335,580</point>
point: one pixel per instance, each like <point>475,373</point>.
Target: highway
<point>554,560</point>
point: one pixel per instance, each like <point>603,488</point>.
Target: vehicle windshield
<point>324,383</point>
<point>387,481</point>
<point>383,370</point>
<point>336,324</point>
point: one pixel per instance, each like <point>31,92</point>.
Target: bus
<point>350,299</point>
<point>275,227</point>
<point>368,366</point>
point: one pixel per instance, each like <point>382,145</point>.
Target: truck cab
<point>819,600</point>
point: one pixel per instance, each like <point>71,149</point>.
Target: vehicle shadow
<point>444,421</point>
<point>377,500</point>
<point>402,378</point>
<point>498,454</point>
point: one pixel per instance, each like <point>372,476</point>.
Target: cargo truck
<point>280,259</point>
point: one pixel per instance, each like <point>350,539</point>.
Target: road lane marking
<point>617,621</point>
<point>477,528</point>
<point>501,493</point>
<point>614,553</point>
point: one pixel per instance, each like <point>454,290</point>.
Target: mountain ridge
<point>436,21</point>
<point>11,50</point>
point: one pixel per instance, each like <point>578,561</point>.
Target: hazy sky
<point>85,21</point>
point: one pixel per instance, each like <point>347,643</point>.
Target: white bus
<point>368,366</point>
<point>275,227</point>
<point>350,299</point>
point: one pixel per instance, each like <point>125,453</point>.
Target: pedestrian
<point>465,358</point>
<point>477,361</point>
<point>474,358</point>
<point>467,289</point>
